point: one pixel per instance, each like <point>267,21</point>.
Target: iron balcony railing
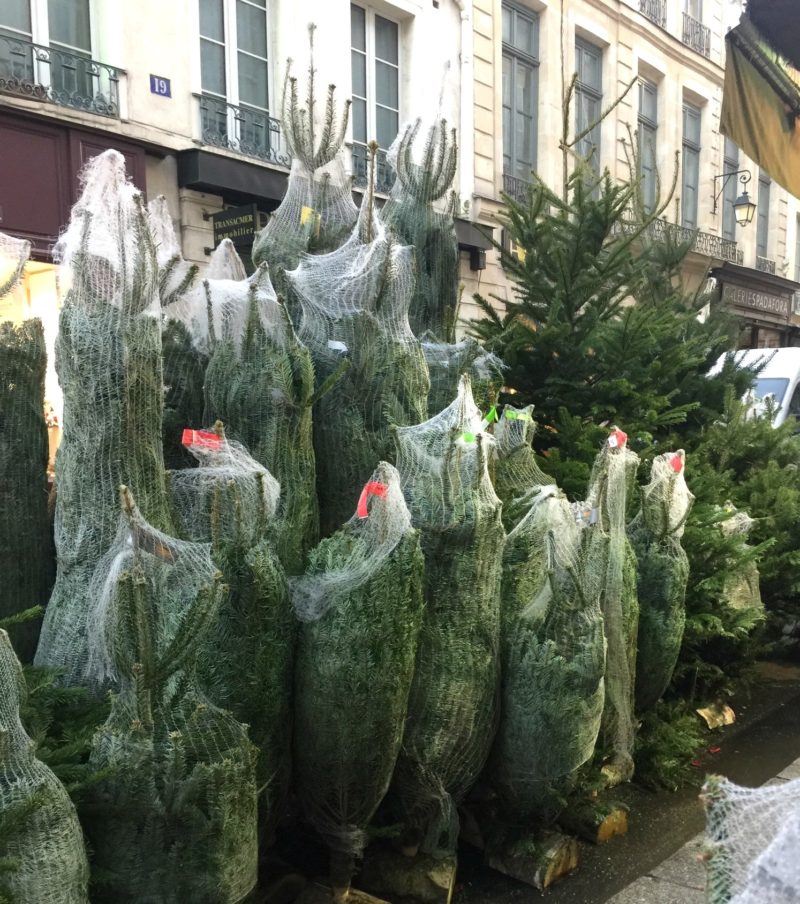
<point>516,188</point>
<point>765,265</point>
<point>384,174</point>
<point>705,243</point>
<point>696,35</point>
<point>242,129</point>
<point>655,10</point>
<point>62,77</point>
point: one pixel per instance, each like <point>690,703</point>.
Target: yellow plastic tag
<point>308,213</point>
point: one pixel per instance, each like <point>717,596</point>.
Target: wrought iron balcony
<point>696,35</point>
<point>516,188</point>
<point>59,76</point>
<point>765,265</point>
<point>384,174</point>
<point>655,10</point>
<point>705,243</point>
<point>244,130</point>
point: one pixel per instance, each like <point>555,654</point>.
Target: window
<point>694,8</point>
<point>730,164</point>
<point>520,91</point>
<point>648,124</point>
<point>588,99</point>
<point>762,227</point>
<point>234,74</point>
<point>375,64</point>
<point>691,165</point>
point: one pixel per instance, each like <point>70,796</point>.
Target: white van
<point>780,378</point>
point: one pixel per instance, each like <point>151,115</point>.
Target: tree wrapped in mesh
<point>370,371</point>
<point>448,362</point>
<point>27,559</point>
<point>553,662</point>
<point>245,665</point>
<point>663,573</point>
<point>752,840</point>
<point>108,357</point>
<point>317,212</point>
<point>516,471</point>
<point>260,384</point>
<point>42,857</point>
<point>412,217</point>
<point>175,820</point>
<point>453,707</point>
<point>613,559</point>
<point>361,603</point>
<point>742,588</point>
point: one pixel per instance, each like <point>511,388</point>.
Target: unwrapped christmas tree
<point>361,601</point>
<point>27,560</point>
<point>663,568</point>
<point>175,820</point>
<point>108,357</point>
<point>453,708</point>
<point>42,857</point>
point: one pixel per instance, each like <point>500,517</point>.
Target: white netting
<point>742,587</point>
<point>108,358</point>
<point>553,660</point>
<point>453,708</point>
<point>753,840</point>
<point>225,263</point>
<point>42,857</point>
<point>176,276</point>
<point>363,586</point>
<point>14,255</point>
<point>448,362</point>
<point>175,820</point>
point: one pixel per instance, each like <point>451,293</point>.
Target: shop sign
<point>764,302</point>
<point>239,224</point>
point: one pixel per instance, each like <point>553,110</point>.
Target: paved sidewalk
<point>681,878</point>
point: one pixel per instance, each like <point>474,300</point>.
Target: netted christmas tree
<point>752,840</point>
<point>246,663</point>
<point>108,357</point>
<point>27,558</point>
<point>175,820</point>
<point>553,662</point>
<point>415,221</point>
<point>42,856</point>
<point>361,601</point>
<point>370,371</point>
<point>613,560</point>
<point>449,361</point>
<point>453,708</point>
<point>663,569</point>
<point>317,212</point>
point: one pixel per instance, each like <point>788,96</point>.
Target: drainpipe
<point>466,149</point>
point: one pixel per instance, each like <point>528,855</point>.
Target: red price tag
<point>618,439</point>
<point>677,463</point>
<point>371,488</point>
<point>202,439</point>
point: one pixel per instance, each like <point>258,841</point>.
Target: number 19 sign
<point>160,86</point>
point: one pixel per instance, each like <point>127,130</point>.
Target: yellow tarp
<point>756,117</point>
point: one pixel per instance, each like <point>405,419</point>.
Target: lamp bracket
<point>744,177</point>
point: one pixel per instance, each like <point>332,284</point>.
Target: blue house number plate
<point>160,86</point>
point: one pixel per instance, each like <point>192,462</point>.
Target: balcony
<point>705,243</point>
<point>516,188</point>
<point>244,130</point>
<point>696,35</point>
<point>765,265</point>
<point>655,10</point>
<point>58,76</point>
<point>384,174</point>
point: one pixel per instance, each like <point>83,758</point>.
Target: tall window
<point>588,100</point>
<point>234,70</point>
<point>648,124</point>
<point>691,165</point>
<point>730,164</point>
<point>375,62</point>
<point>520,90</point>
<point>694,8</point>
<point>762,227</point>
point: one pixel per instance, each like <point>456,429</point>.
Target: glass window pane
<point>358,28</point>
<point>731,151</point>
<point>359,116</point>
<point>212,67</point>
<point>506,25</point>
<point>587,65</point>
<point>385,40</point>
<point>507,68</point>
<point>211,22</point>
<point>262,4</point>
<point>386,87</point>
<point>524,86</point>
<point>253,81</point>
<point>508,145</point>
<point>16,14</point>
<point>251,29</point>
<point>691,163</point>
<point>359,65</point>
<point>68,21</point>
<point>691,124</point>
<point>524,146</point>
<point>388,124</point>
<point>525,37</point>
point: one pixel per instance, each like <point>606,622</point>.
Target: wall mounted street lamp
<point>743,208</point>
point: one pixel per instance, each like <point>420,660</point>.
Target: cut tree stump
<point>540,860</point>
<point>315,893</point>
<point>408,880</point>
<point>596,821</point>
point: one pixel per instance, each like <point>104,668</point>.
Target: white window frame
<point>763,214</point>
<point>695,147</point>
<point>593,92</point>
<point>515,55</point>
<point>648,142</point>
